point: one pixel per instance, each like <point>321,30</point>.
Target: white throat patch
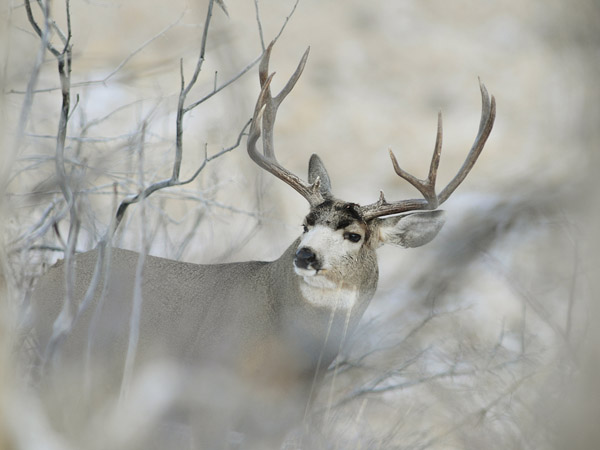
<point>318,291</point>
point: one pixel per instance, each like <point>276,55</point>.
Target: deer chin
<point>316,278</point>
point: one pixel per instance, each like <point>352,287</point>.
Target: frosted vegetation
<point>483,339</point>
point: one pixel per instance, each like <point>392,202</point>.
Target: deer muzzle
<point>307,259</point>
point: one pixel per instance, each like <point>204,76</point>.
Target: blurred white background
<point>481,339</point>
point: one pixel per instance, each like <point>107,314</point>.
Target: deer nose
<point>306,258</point>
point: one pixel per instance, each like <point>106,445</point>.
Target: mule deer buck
<point>259,334</point>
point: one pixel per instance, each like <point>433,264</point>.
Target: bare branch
<point>539,309</point>
<point>287,19</point>
<point>35,72</point>
<point>184,90</point>
<point>136,309</point>
<point>182,110</point>
<point>39,229</point>
<point>481,412</point>
<point>43,35</point>
<point>171,182</point>
<point>132,54</point>
<point>208,159</point>
<point>113,72</point>
<point>221,4</point>
<point>218,89</point>
<point>64,322</point>
<point>259,24</point>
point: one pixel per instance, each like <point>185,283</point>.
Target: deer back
<point>251,316</point>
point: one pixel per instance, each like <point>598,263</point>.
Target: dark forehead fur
<point>335,214</point>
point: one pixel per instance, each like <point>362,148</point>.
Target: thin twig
<point>64,322</point>
<point>35,72</point>
<point>184,91</point>
<point>136,309</point>
<point>134,53</point>
<point>84,139</point>
<point>170,182</point>
<point>43,35</point>
<point>252,64</point>
<point>374,386</point>
<point>259,24</point>
<point>521,292</point>
<point>287,19</point>
<point>113,72</point>
<point>182,110</point>
<point>64,70</point>
<point>480,413</point>
<point>224,85</point>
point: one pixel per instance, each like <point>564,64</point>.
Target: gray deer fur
<point>251,341</point>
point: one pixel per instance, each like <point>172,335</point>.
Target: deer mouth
<point>306,271</point>
<point>316,278</point>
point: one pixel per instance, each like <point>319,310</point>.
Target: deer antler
<point>266,112</point>
<point>426,187</point>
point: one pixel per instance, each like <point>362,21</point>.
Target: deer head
<point>339,240</point>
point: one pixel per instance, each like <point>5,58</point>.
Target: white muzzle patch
<point>316,287</point>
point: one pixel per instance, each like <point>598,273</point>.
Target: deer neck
<point>314,318</point>
<point>321,292</point>
<point>318,298</point>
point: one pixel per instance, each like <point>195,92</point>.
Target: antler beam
<point>265,114</point>
<point>426,187</point>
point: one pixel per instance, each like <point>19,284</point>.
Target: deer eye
<point>305,228</point>
<point>352,237</point>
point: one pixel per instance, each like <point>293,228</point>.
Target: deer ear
<point>316,168</point>
<point>411,230</point>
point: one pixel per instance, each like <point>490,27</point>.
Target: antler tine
<point>427,187</point>
<point>272,103</point>
<point>488,116</point>
<point>265,114</point>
